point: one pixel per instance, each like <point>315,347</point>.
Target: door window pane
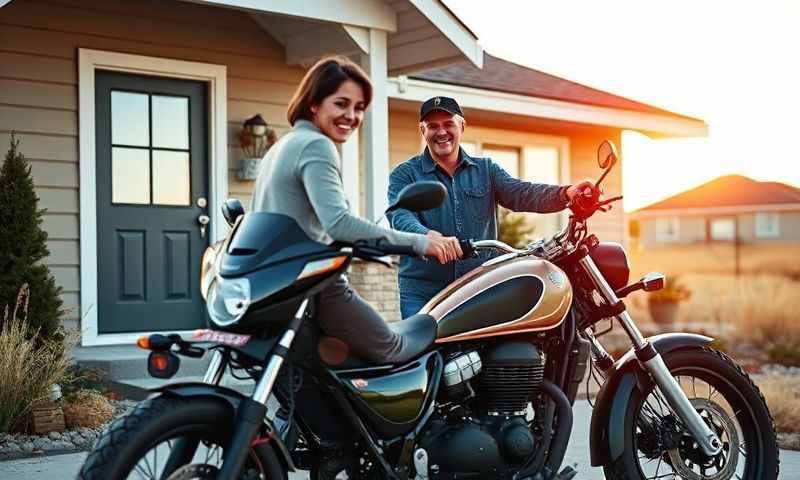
<point>130,119</point>
<point>506,157</point>
<point>130,175</point>
<point>171,177</point>
<point>170,122</point>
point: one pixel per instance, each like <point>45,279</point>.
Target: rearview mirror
<point>231,210</point>
<point>607,154</point>
<point>653,281</point>
<point>420,196</point>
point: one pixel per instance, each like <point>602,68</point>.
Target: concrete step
<point>125,362</point>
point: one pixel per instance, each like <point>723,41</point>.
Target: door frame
<point>89,61</point>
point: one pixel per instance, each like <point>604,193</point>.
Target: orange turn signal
<point>143,343</point>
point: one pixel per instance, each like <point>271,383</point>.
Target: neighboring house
<point>725,209</point>
<point>130,113</point>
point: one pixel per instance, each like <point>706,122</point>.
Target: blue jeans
<point>411,304</point>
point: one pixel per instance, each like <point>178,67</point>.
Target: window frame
<point>761,231</point>
<point>675,229</point>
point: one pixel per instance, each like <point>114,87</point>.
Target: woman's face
<point>340,114</point>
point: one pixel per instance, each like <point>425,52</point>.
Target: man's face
<point>442,132</point>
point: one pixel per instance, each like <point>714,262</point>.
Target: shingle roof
<point>504,76</point>
<point>730,191</point>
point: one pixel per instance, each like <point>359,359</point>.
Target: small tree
<point>512,228</point>
<point>23,247</point>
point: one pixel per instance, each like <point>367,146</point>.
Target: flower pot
<point>248,170</point>
<point>663,313</point>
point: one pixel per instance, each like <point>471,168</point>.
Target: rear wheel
<point>657,445</point>
<point>138,445</point>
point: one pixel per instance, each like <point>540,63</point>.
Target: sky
<point>733,64</point>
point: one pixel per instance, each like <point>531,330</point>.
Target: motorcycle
<point>486,390</point>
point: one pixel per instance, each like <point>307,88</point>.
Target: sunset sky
<point>733,64</point>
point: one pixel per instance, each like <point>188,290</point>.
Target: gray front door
<point>151,176</point>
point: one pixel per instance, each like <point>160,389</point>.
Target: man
<point>475,187</point>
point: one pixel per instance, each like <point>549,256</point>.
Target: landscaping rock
<point>27,447</point>
<point>54,436</point>
<point>789,441</point>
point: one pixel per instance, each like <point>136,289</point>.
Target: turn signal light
<point>143,343</point>
<point>162,364</point>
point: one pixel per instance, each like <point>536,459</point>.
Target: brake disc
<point>689,456</point>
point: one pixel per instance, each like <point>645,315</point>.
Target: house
<point>130,113</point>
<point>726,209</point>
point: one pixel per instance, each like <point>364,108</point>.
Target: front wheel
<point>138,445</point>
<point>658,446</point>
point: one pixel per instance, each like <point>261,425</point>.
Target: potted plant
<point>255,139</point>
<point>663,304</point>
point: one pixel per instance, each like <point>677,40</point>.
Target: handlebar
<point>469,247</point>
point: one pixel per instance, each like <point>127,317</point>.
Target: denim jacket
<point>478,185</point>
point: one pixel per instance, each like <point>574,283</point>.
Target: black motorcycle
<point>486,390</point>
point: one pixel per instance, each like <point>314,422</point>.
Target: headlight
<point>207,270</point>
<point>228,300</point>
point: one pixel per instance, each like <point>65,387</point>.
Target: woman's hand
<point>444,249</point>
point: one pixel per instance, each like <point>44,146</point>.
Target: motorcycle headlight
<point>228,300</point>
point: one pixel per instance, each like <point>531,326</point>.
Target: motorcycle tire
<point>729,380</point>
<point>152,422</point>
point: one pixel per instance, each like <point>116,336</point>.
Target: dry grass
<point>783,399</point>
<point>87,408</point>
<point>27,372</point>
<point>762,309</point>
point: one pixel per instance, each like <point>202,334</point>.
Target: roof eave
<point>650,124</point>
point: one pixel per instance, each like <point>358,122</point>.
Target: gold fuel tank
<point>505,295</point>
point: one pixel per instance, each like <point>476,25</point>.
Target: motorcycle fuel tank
<point>503,296</point>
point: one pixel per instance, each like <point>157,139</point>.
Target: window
<point>767,225</point>
<point>723,229</point>
<point>667,229</point>
<point>506,157</point>
<point>149,149</point>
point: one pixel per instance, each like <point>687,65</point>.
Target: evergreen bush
<point>23,247</point>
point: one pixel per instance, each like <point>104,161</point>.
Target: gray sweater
<point>300,177</point>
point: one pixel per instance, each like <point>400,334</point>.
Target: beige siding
<point>39,43</point>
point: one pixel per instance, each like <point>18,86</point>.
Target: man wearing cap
<point>475,186</point>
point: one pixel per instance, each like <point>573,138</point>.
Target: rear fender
<point>607,433</point>
<point>232,398</point>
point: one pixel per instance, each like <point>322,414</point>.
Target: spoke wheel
<point>138,445</point>
<point>659,446</point>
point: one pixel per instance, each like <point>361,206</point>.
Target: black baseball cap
<point>445,104</point>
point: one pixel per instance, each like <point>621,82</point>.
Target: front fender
<point>233,399</point>
<point>607,433</point>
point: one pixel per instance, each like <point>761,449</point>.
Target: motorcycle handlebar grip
<point>391,249</point>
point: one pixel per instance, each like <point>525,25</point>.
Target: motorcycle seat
<point>418,332</point>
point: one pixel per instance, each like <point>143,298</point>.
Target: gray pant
<point>343,314</point>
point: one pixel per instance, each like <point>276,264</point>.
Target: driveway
<point>61,467</point>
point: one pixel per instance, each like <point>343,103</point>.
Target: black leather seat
<point>418,332</point>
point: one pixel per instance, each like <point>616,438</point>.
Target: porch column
<point>375,138</point>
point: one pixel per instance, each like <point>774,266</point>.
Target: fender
<point>232,398</point>
<point>607,433</point>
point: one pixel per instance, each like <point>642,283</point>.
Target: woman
<point>300,177</point>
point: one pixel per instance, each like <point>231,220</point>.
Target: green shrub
<point>23,247</point>
<point>29,365</point>
<point>512,229</point>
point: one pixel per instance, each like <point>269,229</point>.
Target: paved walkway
<point>60,467</point>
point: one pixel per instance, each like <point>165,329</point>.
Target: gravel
<point>80,439</point>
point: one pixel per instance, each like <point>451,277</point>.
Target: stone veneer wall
<point>377,284</point>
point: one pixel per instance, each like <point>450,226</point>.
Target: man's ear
<point>422,128</point>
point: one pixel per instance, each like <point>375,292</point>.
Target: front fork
<point>652,362</point>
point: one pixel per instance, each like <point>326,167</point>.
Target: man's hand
<point>445,249</point>
<point>579,188</point>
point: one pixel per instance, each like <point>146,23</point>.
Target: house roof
<point>729,191</point>
<point>504,76</point>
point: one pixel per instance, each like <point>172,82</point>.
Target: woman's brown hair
<point>322,80</point>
